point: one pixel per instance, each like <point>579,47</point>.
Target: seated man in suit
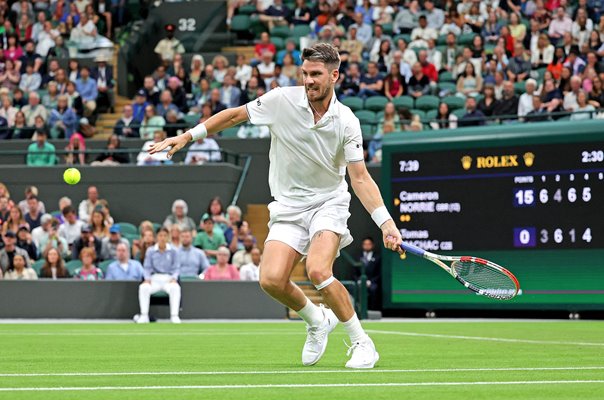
<point>373,270</point>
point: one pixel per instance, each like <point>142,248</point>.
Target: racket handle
<point>413,249</point>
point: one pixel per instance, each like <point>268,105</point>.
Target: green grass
<point>270,354</point>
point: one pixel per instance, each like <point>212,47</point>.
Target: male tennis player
<point>314,139</point>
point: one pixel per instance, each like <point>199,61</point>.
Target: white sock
<point>311,314</point>
<point>354,329</point>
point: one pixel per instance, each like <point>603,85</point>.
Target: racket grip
<point>413,249</point>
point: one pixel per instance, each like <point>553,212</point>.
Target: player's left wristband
<point>380,215</point>
<point>199,132</point>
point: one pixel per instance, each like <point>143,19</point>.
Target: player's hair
<point>323,52</point>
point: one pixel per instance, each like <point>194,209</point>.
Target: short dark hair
<point>323,52</point>
<point>68,209</point>
<point>162,229</point>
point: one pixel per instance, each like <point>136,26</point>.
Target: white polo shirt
<point>307,160</point>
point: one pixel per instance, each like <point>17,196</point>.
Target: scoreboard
<point>523,197</point>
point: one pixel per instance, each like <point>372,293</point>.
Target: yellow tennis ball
<point>71,176</point>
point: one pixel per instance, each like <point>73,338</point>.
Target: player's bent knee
<point>319,275</point>
<point>271,285</point>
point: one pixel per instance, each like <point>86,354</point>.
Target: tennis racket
<point>481,276</point>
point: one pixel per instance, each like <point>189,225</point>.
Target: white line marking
<point>156,333</point>
<point>301,371</point>
<point>488,339</point>
<point>289,386</point>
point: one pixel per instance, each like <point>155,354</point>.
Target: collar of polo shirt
<point>304,103</point>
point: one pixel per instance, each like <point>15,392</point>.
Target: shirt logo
<point>258,103</point>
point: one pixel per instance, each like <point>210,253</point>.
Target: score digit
<point>524,197</point>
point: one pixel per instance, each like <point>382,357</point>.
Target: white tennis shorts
<point>297,226</point>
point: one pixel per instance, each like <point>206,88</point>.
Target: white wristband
<point>380,215</point>
<point>199,132</point>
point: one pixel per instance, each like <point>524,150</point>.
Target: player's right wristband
<point>199,132</point>
<point>380,215</point>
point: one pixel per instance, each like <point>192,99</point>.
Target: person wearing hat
<point>139,105</point>
<point>209,240</point>
<point>86,128</point>
<point>10,250</point>
<point>25,242</point>
<point>168,46</point>
<point>109,244</point>
<point>87,239</point>
<point>103,74</point>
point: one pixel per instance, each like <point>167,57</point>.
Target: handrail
<point>242,177</point>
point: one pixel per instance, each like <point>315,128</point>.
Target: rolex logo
<point>529,158</point>
<point>466,162</point>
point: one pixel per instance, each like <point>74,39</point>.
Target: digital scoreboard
<point>533,204</point>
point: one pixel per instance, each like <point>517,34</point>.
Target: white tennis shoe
<point>316,337</point>
<point>364,355</point>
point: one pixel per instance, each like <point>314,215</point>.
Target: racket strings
<point>485,279</point>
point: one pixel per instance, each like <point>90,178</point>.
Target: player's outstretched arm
<point>223,120</point>
<point>368,192</point>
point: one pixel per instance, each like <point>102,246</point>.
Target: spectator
<point>364,32</point>
<point>127,126</point>
<point>350,86</point>
<point>519,66</point>
<point>147,240</point>
<point>473,116</point>
<point>418,84</point>
<point>407,18</point>
<point>175,125</point>
<point>517,29</point>
<point>352,45</point>
<point>543,53</point>
<point>203,150</point>
<point>86,240</point>
<point>40,233</point>
<point>570,98</point>
<point>251,270</point>
<point>13,52</point>
<point>51,99</point>
<point>574,62</point>
<point>469,84</point>
<point>10,77</point>
<point>581,28</point>
<point>74,70</point>
<point>71,229</point>
<point>265,45</point>
<point>75,100</point>
<point>551,97</point>
<point>20,130</point>
<point>103,75</point>
<point>276,14</point>
<point>395,84</point>
<point>196,70</point>
<point>217,105</point>
<point>151,90</point>
<point>30,81</point>
<point>151,124</point>
<point>422,33</point>
<point>87,88</point>
<point>14,221</point>
<point>180,217</point>
<point>166,103</point>
<point>372,83</point>
<point>88,271</point>
<point>193,261</point>
<point>34,109</point>
<point>434,16</point>
<point>144,158</point>
<point>209,240</point>
<point>384,56</point>
<point>161,272</point>
<point>222,270</point>
<point>382,13</point>
<point>491,28</point>
<point>62,120</point>
<point>88,205</point>
<point>46,38</point>
<point>300,14</point>
<point>123,268</point>
<point>434,57</point>
<point>229,94</point>
<point>110,243</point>
<point>139,105</point>
<point>584,110</point>
<point>373,265</point>
<point>596,96</point>
<point>111,156</point>
<point>41,153</point>
<point>31,57</point>
<point>232,227</point>
<point>98,224</point>
<point>4,209</point>
<point>9,251</point>
<point>560,25</point>
<point>179,96</point>
<point>19,270</point>
<point>390,116</point>
<point>525,102</point>
<point>25,242</point>
<point>373,46</point>
<point>49,238</point>
<point>244,256</point>
<point>85,33</point>
<point>59,50</point>
<point>488,102</point>
<point>54,266</point>
<point>243,70</point>
<point>267,66</point>
<point>8,112</point>
<point>508,105</point>
<point>428,69</point>
<point>175,236</point>
<point>445,119</point>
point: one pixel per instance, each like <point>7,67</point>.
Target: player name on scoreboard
<point>545,196</point>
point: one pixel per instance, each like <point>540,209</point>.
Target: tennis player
<point>314,140</point>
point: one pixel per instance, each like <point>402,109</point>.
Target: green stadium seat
<point>278,42</point>
<point>427,102</point>
<point>441,40</point>
<point>37,266</point>
<point>445,76</point>
<point>280,31</point>
<point>73,265</point>
<point>465,39</point>
<point>368,131</point>
<point>459,112</point>
<point>300,30</point>
<point>431,115</point>
<point>388,29</point>
<point>379,116</point>
<point>129,228</point>
<point>189,278</point>
<point>192,119</point>
<point>420,113</point>
<point>247,9</point>
<point>448,87</point>
<point>103,265</point>
<point>406,102</point>
<point>354,103</point>
<point>454,102</point>
<point>376,103</point>
<point>519,87</point>
<point>366,116</point>
<point>131,237</point>
<point>405,36</point>
<point>241,23</point>
<point>156,226</point>
<point>256,26</point>
<point>230,132</point>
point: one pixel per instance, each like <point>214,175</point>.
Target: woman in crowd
<point>151,123</point>
<point>10,77</point>
<point>197,66</point>
<point>565,76</point>
<point>110,156</point>
<point>517,29</point>
<point>54,266</point>
<point>390,117</point>
<point>585,110</point>
<point>596,96</point>
<point>394,84</point>
<point>180,217</point>
<point>222,270</point>
<point>51,99</point>
<point>175,232</point>
<point>19,270</point>
<point>470,83</point>
<point>99,227</point>
<point>445,119</point>
<point>140,247</point>
<point>383,56</point>
<point>76,149</point>
<point>555,66</point>
<point>88,271</point>
<point>290,69</point>
<point>14,220</point>
<point>543,55</point>
<point>20,129</point>
<point>488,102</point>
<point>216,211</point>
<point>221,66</point>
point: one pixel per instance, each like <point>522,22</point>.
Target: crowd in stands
<point>82,241</point>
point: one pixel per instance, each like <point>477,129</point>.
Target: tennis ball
<point>71,176</point>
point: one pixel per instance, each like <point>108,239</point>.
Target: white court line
<point>488,339</point>
<point>289,386</point>
<point>156,333</point>
<point>297,372</point>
